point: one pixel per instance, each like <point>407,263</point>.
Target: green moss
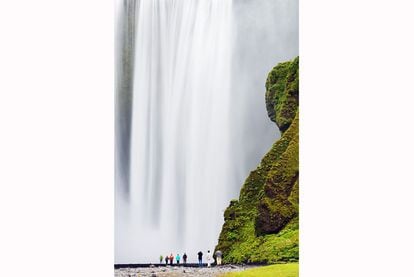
<point>282,93</point>
<point>263,224</point>
<point>275,209</point>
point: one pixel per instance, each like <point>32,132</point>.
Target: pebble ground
<point>177,271</point>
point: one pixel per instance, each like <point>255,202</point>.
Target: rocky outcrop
<point>263,224</point>
<point>282,93</point>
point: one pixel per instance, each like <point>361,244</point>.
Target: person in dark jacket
<point>185,258</point>
<point>166,259</point>
<point>200,258</point>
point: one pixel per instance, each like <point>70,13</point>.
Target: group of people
<point>169,259</point>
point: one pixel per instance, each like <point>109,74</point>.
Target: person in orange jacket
<point>171,259</point>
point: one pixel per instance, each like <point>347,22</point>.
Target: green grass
<point>278,270</point>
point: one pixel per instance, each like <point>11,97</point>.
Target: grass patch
<point>278,270</point>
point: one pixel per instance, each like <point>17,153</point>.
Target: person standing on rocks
<point>185,258</point>
<point>177,258</point>
<point>200,258</point>
<point>161,259</point>
<point>218,257</point>
<point>166,259</point>
<point>171,259</point>
<point>209,258</point>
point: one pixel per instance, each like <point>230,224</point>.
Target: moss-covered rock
<point>263,224</point>
<point>282,93</point>
<point>276,207</point>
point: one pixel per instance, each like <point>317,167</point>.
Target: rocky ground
<point>177,271</point>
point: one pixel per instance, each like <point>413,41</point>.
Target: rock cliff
<point>263,224</point>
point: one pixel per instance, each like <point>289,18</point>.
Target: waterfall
<point>179,128</point>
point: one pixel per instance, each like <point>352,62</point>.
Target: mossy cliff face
<point>263,224</point>
<point>282,93</point>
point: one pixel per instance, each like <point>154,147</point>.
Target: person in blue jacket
<point>177,258</point>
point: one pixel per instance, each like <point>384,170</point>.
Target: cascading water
<point>178,126</point>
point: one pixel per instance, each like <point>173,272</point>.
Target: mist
<point>265,33</point>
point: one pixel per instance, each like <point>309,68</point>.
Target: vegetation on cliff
<point>282,93</point>
<point>263,224</point>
